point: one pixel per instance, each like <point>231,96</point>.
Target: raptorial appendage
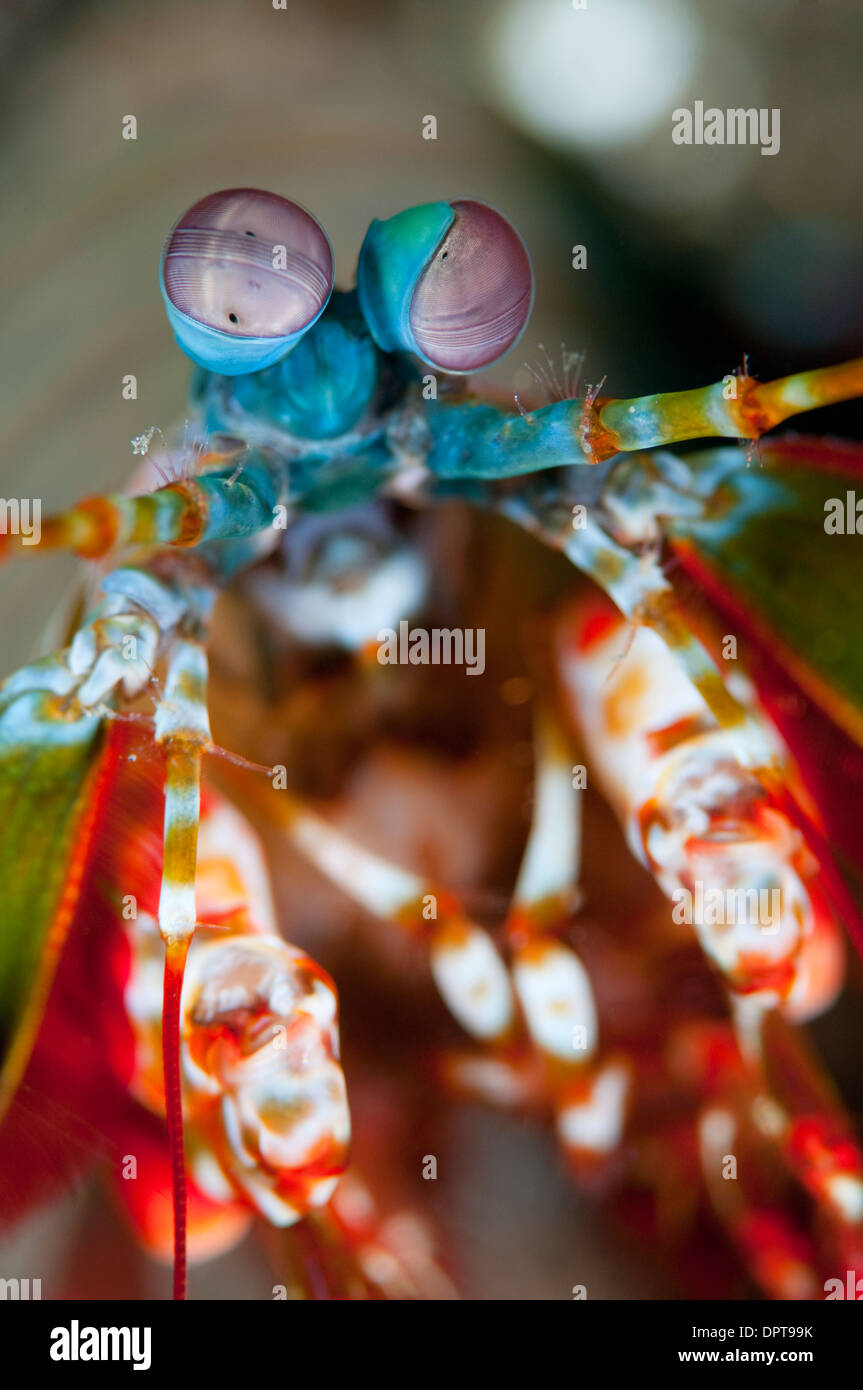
<point>264,1099</point>
<point>711,833</point>
<point>742,877</point>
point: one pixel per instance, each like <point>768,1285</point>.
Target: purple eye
<point>475,296</point>
<point>247,264</point>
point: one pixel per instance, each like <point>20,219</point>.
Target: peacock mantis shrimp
<point>309,406</point>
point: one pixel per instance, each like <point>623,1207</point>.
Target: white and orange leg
<point>265,1105</point>
<point>467,966</point>
<point>636,584</point>
<point>533,1014</point>
<point>588,1096</point>
<point>738,869</point>
<point>714,837</point>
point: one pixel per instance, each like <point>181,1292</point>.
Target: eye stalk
<point>244,274</point>
<point>451,282</point>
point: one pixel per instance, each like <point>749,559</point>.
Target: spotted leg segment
<point>264,1096</point>
<point>704,825</point>
<point>741,874</point>
<point>587,1094</point>
<point>643,594</point>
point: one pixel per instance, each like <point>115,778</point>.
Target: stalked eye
<point>449,281</point>
<point>244,274</point>
<point>475,296</point>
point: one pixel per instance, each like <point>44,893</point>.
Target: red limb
<point>176,951</point>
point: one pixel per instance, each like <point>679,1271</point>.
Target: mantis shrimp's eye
<point>244,274</point>
<point>451,282</point>
<point>474,298</point>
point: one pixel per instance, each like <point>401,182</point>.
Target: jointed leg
<point>642,593</point>
<point>264,1100</point>
<point>547,883</point>
<point>466,965</point>
<point>536,1021</point>
<point>183,731</point>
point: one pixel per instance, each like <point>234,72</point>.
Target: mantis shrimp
<point>310,407</point>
